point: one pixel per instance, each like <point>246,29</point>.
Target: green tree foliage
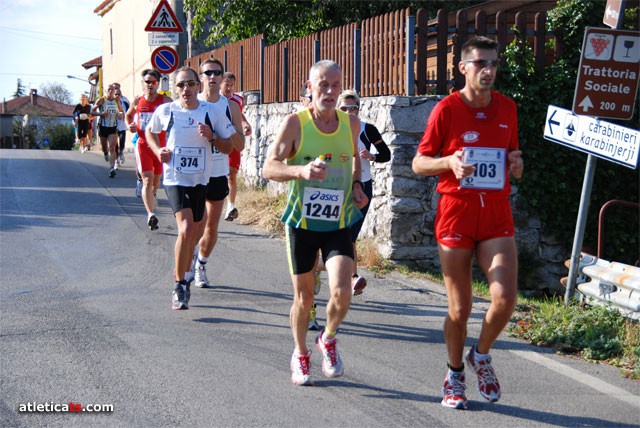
<point>552,183</point>
<point>20,90</point>
<point>221,21</point>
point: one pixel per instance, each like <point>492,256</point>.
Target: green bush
<point>595,333</point>
<point>61,137</point>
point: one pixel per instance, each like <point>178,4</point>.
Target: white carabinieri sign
<point>591,135</point>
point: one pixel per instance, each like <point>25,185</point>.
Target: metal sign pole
<point>581,223</point>
<point>587,184</point>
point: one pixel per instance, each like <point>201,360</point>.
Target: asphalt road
<point>85,318</point>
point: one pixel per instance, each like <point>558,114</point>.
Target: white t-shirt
<point>220,166</point>
<point>191,160</point>
<point>125,106</point>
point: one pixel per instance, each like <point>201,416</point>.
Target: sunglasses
<point>484,63</point>
<point>189,83</point>
<point>151,82</point>
<point>210,73</point>
<point>349,108</point>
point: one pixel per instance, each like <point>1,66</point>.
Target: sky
<point>46,40</point>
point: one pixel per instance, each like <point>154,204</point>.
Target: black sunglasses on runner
<point>210,73</point>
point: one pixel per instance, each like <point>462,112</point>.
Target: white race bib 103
<point>490,168</point>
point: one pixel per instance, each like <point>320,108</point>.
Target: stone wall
<point>402,212</point>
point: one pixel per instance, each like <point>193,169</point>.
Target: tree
<point>20,90</point>
<point>233,20</point>
<point>56,91</point>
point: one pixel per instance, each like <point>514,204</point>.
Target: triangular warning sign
<point>163,19</point>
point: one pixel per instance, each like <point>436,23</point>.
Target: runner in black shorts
<point>81,116</point>
<point>185,197</point>
<point>303,246</point>
<point>194,130</point>
<point>323,202</point>
<point>218,188</point>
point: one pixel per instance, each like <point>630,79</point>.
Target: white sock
<point>201,260</point>
<point>149,215</point>
<point>230,207</point>
<point>478,356</point>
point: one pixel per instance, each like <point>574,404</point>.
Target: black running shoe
<point>153,222</point>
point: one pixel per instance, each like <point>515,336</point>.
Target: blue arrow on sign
<point>552,122</point>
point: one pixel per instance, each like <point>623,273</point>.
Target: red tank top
<point>144,111</point>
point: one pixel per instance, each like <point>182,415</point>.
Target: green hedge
<point>61,137</point>
<point>552,182</point>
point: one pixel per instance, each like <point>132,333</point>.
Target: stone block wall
<point>402,211</point>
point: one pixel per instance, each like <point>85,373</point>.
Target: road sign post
<point>597,138</point>
<point>593,136</point>
<point>163,19</point>
<point>164,59</point>
<point>163,39</point>
<point>612,15</point>
<point>608,75</point>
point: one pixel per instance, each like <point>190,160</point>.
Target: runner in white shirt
<point>194,130</point>
<point>218,187</point>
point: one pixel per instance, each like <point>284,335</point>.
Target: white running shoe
<point>201,277</point>
<point>301,369</point>
<point>331,361</point>
<point>139,188</point>
<point>488,385</point>
<point>453,395</point>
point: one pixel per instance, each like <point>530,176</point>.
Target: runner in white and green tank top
<point>314,151</point>
<point>323,205</point>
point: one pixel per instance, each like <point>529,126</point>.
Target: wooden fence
<point>391,54</point>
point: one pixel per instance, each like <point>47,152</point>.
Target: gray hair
<point>323,64</point>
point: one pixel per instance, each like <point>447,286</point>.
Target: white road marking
<point>591,381</point>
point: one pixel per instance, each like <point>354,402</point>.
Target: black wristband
<point>359,182</point>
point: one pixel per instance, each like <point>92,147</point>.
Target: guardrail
<point>613,284</point>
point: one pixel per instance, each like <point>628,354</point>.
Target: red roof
<point>96,62</point>
<point>43,107</point>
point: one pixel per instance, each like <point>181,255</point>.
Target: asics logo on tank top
<point>481,115</point>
